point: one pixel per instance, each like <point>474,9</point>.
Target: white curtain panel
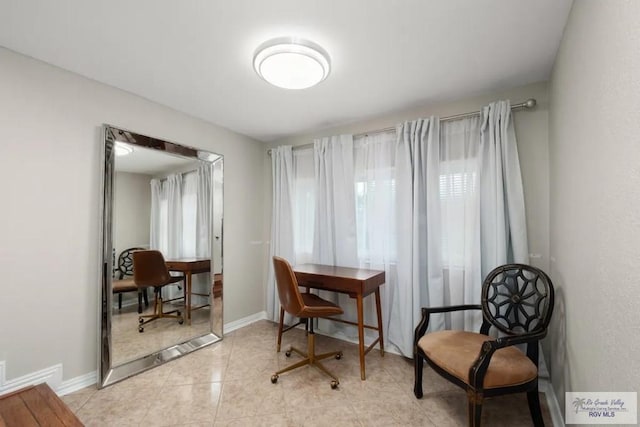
<point>189,214</point>
<point>375,195</point>
<point>204,217</point>
<point>304,204</point>
<point>203,232</point>
<point>172,188</point>
<point>166,223</point>
<point>503,222</point>
<point>196,223</point>
<point>282,222</point>
<point>460,219</point>
<point>335,236</point>
<point>335,222</point>
<point>420,275</point>
<point>157,217</point>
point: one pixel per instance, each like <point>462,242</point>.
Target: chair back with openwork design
<point>517,299</point>
<point>125,262</point>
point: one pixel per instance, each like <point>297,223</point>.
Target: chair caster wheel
<point>180,321</point>
<point>287,353</point>
<point>334,384</point>
<point>274,379</point>
<point>140,329</point>
<point>140,320</point>
<point>339,356</point>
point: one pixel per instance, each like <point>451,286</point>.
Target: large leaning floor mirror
<point>161,272</point>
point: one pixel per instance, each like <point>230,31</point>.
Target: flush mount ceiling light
<point>291,63</point>
<point>122,149</point>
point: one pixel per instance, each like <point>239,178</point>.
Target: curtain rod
<point>526,105</point>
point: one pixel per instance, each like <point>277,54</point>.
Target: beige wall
<point>131,211</point>
<point>594,136</point>
<point>49,219</point>
<point>532,133</point>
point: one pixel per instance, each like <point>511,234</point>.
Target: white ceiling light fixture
<point>291,63</point>
<point>122,149</point>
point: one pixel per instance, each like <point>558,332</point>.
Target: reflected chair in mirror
<point>150,270</point>
<point>123,279</point>
<point>518,301</point>
<point>309,307</point>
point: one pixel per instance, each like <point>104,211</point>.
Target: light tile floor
<point>129,344</point>
<point>228,384</point>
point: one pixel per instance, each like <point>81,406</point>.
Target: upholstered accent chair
<point>517,300</point>
<point>306,306</point>
<point>150,270</point>
<point>123,279</point>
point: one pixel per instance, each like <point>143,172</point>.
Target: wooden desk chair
<point>307,306</point>
<point>517,299</point>
<point>282,328</point>
<point>123,279</point>
<point>150,270</point>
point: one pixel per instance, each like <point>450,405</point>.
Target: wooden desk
<point>35,406</point>
<point>355,282</point>
<point>189,266</point>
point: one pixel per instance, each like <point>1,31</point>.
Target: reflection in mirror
<point>162,274</point>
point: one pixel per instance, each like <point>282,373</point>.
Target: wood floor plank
<point>14,412</point>
<point>35,406</point>
<point>57,406</point>
<point>40,408</point>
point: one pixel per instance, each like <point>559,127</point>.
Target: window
<point>459,210</point>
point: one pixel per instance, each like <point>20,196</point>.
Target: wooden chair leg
<point>534,407</point>
<point>280,326</point>
<point>475,409</point>
<point>418,363</point>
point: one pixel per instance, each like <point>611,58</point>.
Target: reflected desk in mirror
<point>189,267</point>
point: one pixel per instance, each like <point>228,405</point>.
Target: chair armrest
<point>421,329</point>
<point>479,368</point>
<point>518,339</point>
<point>451,308</point>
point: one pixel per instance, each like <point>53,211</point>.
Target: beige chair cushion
<point>124,285</point>
<point>455,352</point>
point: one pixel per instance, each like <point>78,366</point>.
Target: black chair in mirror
<point>123,279</point>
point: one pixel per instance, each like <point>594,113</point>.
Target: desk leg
<point>361,335</point>
<point>379,311</point>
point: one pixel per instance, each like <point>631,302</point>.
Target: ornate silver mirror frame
<point>112,370</point>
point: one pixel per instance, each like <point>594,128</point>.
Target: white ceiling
<point>387,55</point>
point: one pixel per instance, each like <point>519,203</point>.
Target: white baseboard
<point>51,375</point>
<point>245,321</point>
<point>77,383</point>
<point>552,402</point>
